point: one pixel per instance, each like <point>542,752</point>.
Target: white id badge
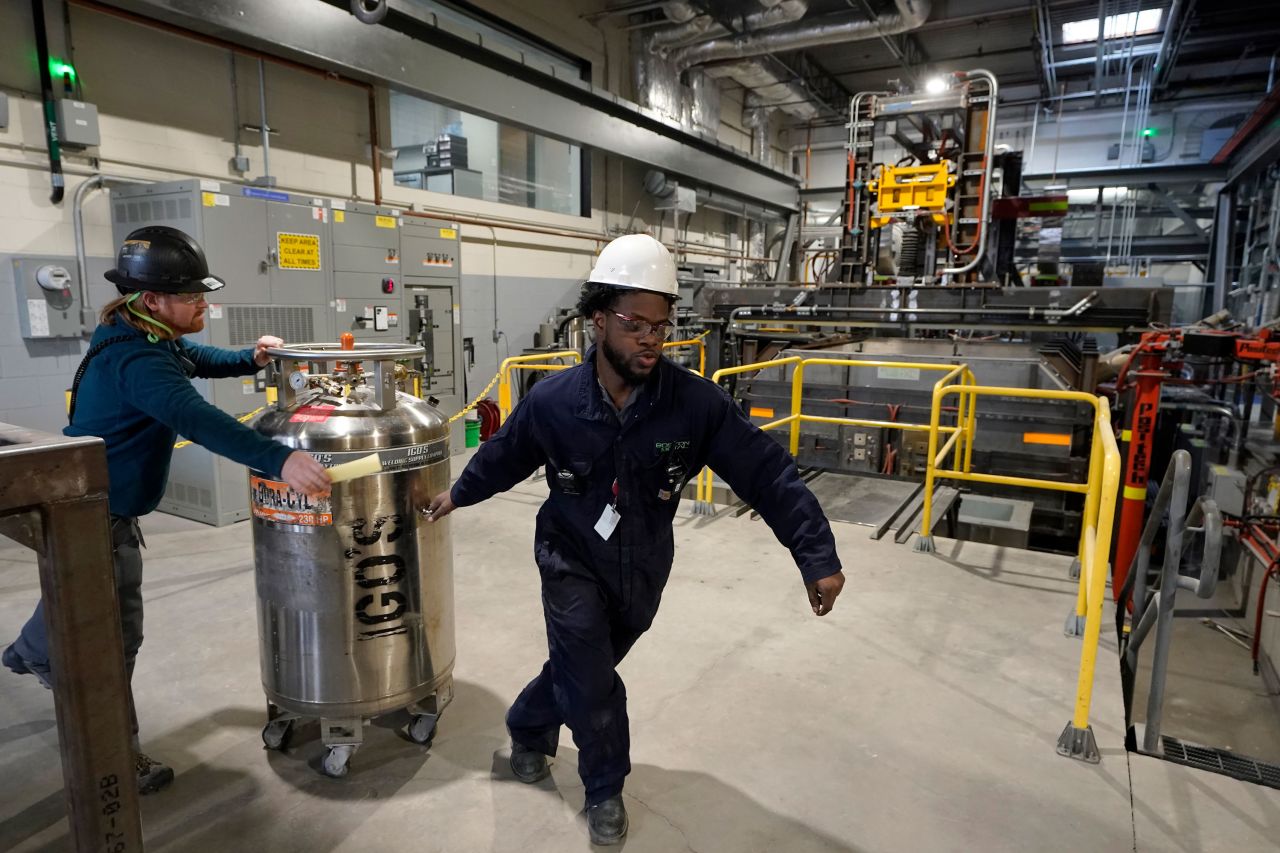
<point>608,521</point>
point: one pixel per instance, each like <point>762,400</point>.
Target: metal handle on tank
<point>289,360</point>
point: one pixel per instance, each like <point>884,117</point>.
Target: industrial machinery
<point>304,269</point>
<point>355,591</point>
<point>926,214</point>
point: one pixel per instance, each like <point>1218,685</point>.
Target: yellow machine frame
<point>923,189</point>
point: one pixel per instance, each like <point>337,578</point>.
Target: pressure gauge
<point>297,380</point>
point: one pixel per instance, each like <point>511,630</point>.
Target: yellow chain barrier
<point>241,419</point>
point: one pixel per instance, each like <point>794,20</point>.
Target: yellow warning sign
<point>448,234</point>
<point>298,251</point>
<point>207,199</point>
<point>385,221</point>
<point>339,216</point>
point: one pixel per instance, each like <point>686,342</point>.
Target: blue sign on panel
<point>269,195</point>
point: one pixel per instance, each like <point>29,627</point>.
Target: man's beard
<point>622,366</point>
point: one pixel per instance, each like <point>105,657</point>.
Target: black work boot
<point>152,775</point>
<point>607,821</point>
<point>529,765</point>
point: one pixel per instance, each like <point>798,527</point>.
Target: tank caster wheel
<point>277,734</point>
<point>337,760</point>
<point>423,729</point>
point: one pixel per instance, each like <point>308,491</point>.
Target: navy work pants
<point>588,634</point>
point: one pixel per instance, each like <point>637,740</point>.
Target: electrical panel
<point>77,124</point>
<point>275,251</point>
<point>48,297</point>
<point>862,449</point>
<point>304,269</point>
<point>430,261</point>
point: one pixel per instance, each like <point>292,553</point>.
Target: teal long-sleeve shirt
<point>137,397</point>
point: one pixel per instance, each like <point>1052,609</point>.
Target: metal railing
<point>1100,490</point>
<point>533,361</point>
<point>697,342</point>
<point>704,503</point>
<point>1156,608</point>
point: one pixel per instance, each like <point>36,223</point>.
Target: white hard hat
<point>638,261</point>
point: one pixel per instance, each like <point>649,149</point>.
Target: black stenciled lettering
<point>388,599</point>
<point>362,567</point>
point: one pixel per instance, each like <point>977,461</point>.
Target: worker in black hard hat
<point>133,390</point>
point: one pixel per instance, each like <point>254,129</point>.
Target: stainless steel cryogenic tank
<point>355,591</point>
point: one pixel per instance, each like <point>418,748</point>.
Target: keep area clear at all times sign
<point>298,251</point>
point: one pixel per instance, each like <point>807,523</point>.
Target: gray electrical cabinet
<point>48,297</point>
<point>430,258</point>
<point>275,251</point>
<point>304,269</point>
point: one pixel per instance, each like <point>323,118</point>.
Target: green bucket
<point>473,434</point>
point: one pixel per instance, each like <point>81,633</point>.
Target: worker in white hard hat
<point>619,436</point>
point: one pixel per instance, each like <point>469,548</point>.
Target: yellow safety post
<point>1077,740</point>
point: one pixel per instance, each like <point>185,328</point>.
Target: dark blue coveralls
<point>600,595</point>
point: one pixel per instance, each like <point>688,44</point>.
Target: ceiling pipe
<point>831,29</point>
<point>705,27</point>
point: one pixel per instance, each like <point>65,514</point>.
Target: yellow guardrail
<point>1095,536</point>
<point>704,498</point>
<point>1077,739</point>
<point>692,342</point>
<point>528,362</point>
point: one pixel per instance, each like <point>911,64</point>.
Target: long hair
<point>136,316</point>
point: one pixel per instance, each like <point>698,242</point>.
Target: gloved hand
<point>304,474</point>
<point>265,342</point>
<point>823,592</point>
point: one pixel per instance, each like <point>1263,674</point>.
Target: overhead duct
<point>832,29</point>
<point>770,81</point>
<point>693,27</point>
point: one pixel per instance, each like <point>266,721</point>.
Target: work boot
<point>607,821</point>
<point>529,765</point>
<point>16,664</point>
<point>152,775</point>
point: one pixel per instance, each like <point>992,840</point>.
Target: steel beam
<point>1132,176</point>
<point>1177,210</point>
<point>53,496</point>
<point>451,70</point>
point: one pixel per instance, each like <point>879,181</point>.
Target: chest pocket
<point>573,477</point>
<point>665,471</point>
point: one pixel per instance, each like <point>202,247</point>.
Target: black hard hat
<point>163,260</point>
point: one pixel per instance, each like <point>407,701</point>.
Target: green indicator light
<point>61,69</point>
<point>1149,131</point>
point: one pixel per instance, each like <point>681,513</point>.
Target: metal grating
<point>247,323</point>
<point>1221,761</point>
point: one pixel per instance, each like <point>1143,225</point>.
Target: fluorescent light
<point>1143,23</point>
<point>936,85</point>
<point>1110,195</point>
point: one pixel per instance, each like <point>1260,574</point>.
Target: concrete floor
<point>920,716</point>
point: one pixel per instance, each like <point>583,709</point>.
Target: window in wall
<point>1143,23</point>
<point>442,149</point>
